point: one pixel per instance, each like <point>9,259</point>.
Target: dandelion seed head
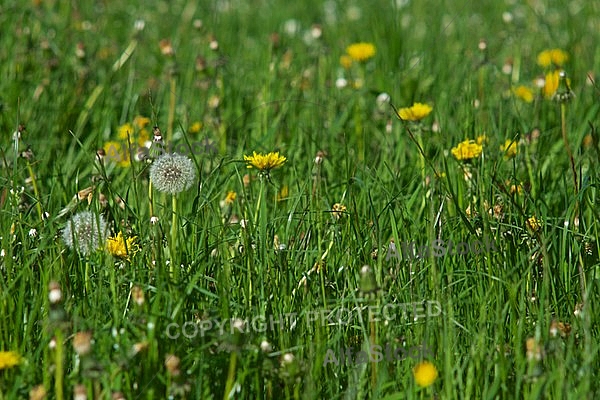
<point>172,173</point>
<point>85,232</point>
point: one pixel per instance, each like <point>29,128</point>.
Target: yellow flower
<point>524,93</point>
<point>509,148</point>
<point>553,56</point>
<point>466,150</point>
<point>533,224</point>
<point>143,137</point>
<point>117,152</point>
<point>425,374</point>
<point>338,210</point>
<point>417,112</point>
<point>195,127</point>
<point>141,122</point>
<point>361,51</point>
<point>283,193</point>
<point>124,130</point>
<point>551,83</point>
<point>481,139</point>
<point>230,198</point>
<point>265,162</point>
<point>346,61</point>
<point>119,247</point>
<point>9,359</point>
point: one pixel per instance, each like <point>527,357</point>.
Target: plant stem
<point>230,375</point>
<point>563,125</point>
<point>58,361</point>
<point>174,222</point>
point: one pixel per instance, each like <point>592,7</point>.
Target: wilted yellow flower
<point>125,130</point>
<point>338,210</point>
<point>509,148</point>
<point>466,150</point>
<point>265,162</point>
<point>9,359</point>
<point>425,374</point>
<point>195,127</point>
<point>345,61</point>
<point>230,198</point>
<point>416,112</point>
<point>553,56</point>
<point>481,139</point>
<point>361,51</point>
<point>118,247</point>
<point>533,224</point>
<point>524,93</point>
<point>141,122</point>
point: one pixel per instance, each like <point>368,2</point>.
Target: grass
<point>245,298</point>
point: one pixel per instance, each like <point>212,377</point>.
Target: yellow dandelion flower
<point>481,139</point>
<point>9,359</point>
<point>141,122</point>
<point>416,112</point>
<point>195,127</point>
<point>230,198</point>
<point>524,93</point>
<point>509,148</point>
<point>533,224</point>
<point>346,61</point>
<point>467,150</point>
<point>117,152</point>
<point>143,137</point>
<point>264,162</point>
<point>121,248</point>
<point>555,57</point>
<point>361,51</point>
<point>124,130</point>
<point>551,83</point>
<point>425,374</point>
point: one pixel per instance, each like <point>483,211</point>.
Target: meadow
<point>269,257</point>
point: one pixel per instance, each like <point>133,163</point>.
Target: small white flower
<point>341,83</point>
<point>153,219</point>
<point>32,232</point>
<point>139,25</point>
<point>383,99</point>
<point>288,358</point>
<point>265,346</point>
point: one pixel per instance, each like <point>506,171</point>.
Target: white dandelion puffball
<point>172,173</point>
<point>85,232</point>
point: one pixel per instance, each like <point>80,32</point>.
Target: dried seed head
<point>54,292</point>
<point>172,173</point>
<point>85,232</point>
<point>82,343</point>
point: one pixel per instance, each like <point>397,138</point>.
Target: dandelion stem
<point>58,361</point>
<point>35,190</point>
<point>172,99</point>
<point>174,227</point>
<point>150,202</point>
<point>563,125</point>
<point>230,375</point>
